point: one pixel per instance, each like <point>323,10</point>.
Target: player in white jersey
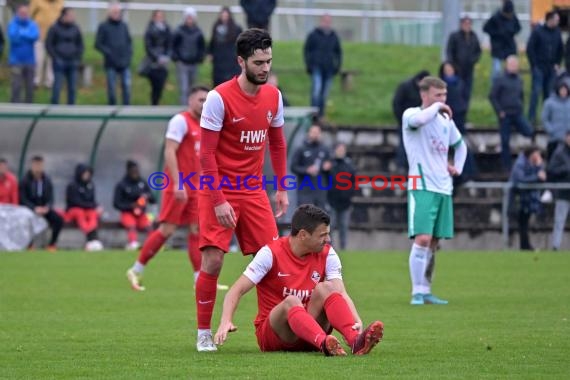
<point>428,133</point>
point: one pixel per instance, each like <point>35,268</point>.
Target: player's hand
<point>327,165</point>
<point>180,195</point>
<point>445,110</point>
<point>542,175</point>
<point>222,333</point>
<point>452,171</point>
<point>357,326</point>
<point>282,200</point>
<point>226,215</point>
<point>313,170</point>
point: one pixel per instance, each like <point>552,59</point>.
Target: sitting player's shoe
<point>205,343</point>
<point>93,246</point>
<point>135,280</point>
<point>417,299</point>
<point>51,248</point>
<point>369,338</point>
<point>331,347</point>
<point>433,300</point>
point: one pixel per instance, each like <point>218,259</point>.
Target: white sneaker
<point>205,343</point>
<point>135,280</point>
<point>132,246</point>
<point>94,245</point>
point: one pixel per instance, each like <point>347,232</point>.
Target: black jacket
<point>258,12</point>
<point>524,172</point>
<point>128,191</point>
<point>307,155</point>
<point>567,55</point>
<point>323,51</point>
<point>463,50</point>
<point>1,41</point>
<point>223,50</point>
<point>507,94</point>
<point>34,192</point>
<point>407,95</point>
<point>114,42</point>
<point>544,48</point>
<point>157,42</point>
<point>455,89</point>
<point>80,193</point>
<point>338,197</point>
<point>502,31</point>
<point>64,42</point>
<point>188,45</point>
<point>558,169</point>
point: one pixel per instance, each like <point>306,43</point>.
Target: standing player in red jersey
<point>300,294</point>
<point>239,115</point>
<point>179,201</point>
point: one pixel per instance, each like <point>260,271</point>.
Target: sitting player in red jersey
<point>300,294</point>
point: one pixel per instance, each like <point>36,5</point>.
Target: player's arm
<point>231,301</point>
<point>175,133</point>
<point>460,156</point>
<point>278,154</point>
<point>421,118</point>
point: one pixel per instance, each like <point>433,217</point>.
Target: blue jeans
<point>496,68</point>
<point>542,80</point>
<point>125,77</point>
<point>321,82</point>
<point>64,70</point>
<point>521,125</point>
<point>340,221</point>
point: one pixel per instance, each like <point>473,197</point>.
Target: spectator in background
<point>222,47</point>
<point>157,44</point>
<point>273,80</point>
<point>258,12</point>
<point>559,171</point>
<point>1,41</point>
<point>502,28</point>
<point>131,197</point>
<point>45,13</point>
<point>339,197</point>
<point>556,117</point>
<point>64,45</point>
<point>323,58</point>
<point>528,168</point>
<point>407,95</point>
<point>507,97</point>
<point>309,163</point>
<point>188,50</point>
<point>464,51</point>
<point>544,51</point>
<point>114,41</point>
<point>8,185</point>
<point>36,193</point>
<point>22,34</point>
<point>82,206</point>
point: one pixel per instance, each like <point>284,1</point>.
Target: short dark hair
<point>528,151</point>
<point>251,40</point>
<point>308,217</point>
<point>64,11</point>
<point>37,159</point>
<point>198,88</point>
<point>3,160</point>
<point>550,15</point>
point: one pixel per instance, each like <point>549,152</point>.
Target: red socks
<point>194,253</point>
<point>132,235</point>
<point>206,287</point>
<point>305,326</point>
<point>340,317</point>
<point>151,246</point>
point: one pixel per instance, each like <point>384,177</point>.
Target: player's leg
<point>194,254</point>
<point>257,225</point>
<point>129,222</point>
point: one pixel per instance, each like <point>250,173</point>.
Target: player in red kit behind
<point>180,200</point>
<point>239,117</point>
<point>300,294</point>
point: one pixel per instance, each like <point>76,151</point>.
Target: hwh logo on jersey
<point>253,137</point>
<point>303,294</point>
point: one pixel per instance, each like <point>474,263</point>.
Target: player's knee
<point>193,229</point>
<point>167,229</point>
<point>212,260</point>
<point>324,289</point>
<point>292,301</point>
<point>423,240</point>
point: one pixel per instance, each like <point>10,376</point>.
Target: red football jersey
<point>185,130</point>
<point>278,273</point>
<point>243,122</point>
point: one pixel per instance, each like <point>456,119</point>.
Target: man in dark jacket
<point>502,28</point>
<point>131,197</point>
<point>114,42</point>
<point>464,51</point>
<point>323,58</point>
<point>544,51</point>
<point>527,169</point>
<point>188,50</point>
<point>258,12</point>
<point>339,197</point>
<point>559,171</point>
<point>1,42</point>
<point>157,44</point>
<point>407,95</point>
<point>507,99</point>
<point>82,207</point>
<point>36,193</point>
<point>64,44</point>
<point>308,164</point>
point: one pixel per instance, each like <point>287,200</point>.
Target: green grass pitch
<point>73,315</point>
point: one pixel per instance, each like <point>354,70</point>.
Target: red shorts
<point>87,219</point>
<point>182,214</point>
<point>130,220</point>
<point>255,223</point>
<point>268,340</point>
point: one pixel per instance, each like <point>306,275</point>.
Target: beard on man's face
<point>252,78</point>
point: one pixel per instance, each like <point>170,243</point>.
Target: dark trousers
<point>64,70</point>
<point>467,78</point>
<point>506,124</point>
<point>157,78</point>
<point>524,217</point>
<point>22,76</point>
<point>542,80</point>
<point>125,79</point>
<point>321,82</point>
<point>550,148</point>
<point>340,222</point>
<point>55,222</point>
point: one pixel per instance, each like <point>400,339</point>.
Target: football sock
<point>194,253</point>
<point>305,326</point>
<point>138,267</point>
<point>132,235</point>
<point>418,265</point>
<point>151,246</point>
<point>430,266</point>
<point>206,287</point>
<point>340,317</point>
